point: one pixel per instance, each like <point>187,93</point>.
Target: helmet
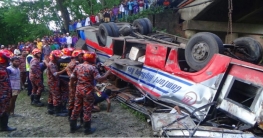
<point>67,51</point>
<point>55,53</point>
<point>77,53</point>
<point>5,55</point>
<point>36,51</point>
<point>90,57</point>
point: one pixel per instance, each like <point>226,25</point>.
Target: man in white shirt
<point>97,19</point>
<point>122,10</point>
<point>69,40</point>
<point>78,24</point>
<point>87,23</point>
<point>14,76</point>
<point>17,52</point>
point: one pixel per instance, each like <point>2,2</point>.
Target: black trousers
<point>29,85</point>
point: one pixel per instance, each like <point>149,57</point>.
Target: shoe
<point>4,122</point>
<point>50,109</point>
<point>37,102</point>
<point>58,112</point>
<point>73,126</point>
<point>87,128</point>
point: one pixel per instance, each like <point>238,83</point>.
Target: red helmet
<point>36,51</point>
<point>5,55</point>
<point>77,53</point>
<point>67,51</point>
<point>55,53</point>
<point>90,57</point>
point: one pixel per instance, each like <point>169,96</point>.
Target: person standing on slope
<point>5,90</point>
<point>76,58</point>
<point>35,75</point>
<point>85,74</point>
<point>53,73</point>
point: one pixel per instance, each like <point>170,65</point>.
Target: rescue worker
<point>85,74</point>
<point>35,78</point>
<point>54,99</point>
<point>64,78</point>
<point>29,85</point>
<point>5,90</point>
<point>76,58</point>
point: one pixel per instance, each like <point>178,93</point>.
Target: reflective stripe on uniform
<point>27,64</point>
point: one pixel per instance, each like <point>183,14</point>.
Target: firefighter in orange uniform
<point>64,78</point>
<point>35,78</point>
<point>84,74</point>
<point>76,58</point>
<point>54,99</point>
<point>5,90</point>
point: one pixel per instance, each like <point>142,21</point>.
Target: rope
<point>229,28</point>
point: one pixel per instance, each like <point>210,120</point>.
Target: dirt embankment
<point>35,122</point>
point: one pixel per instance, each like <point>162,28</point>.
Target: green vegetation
<point>139,115</point>
<point>15,26</point>
<point>25,20</point>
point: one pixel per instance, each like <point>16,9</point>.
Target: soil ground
<point>35,122</point>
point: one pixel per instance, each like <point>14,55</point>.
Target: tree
<point>15,26</point>
<point>64,13</point>
<point>78,9</point>
<point>24,20</point>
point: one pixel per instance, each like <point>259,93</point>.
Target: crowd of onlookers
<point>45,44</point>
<point>117,12</point>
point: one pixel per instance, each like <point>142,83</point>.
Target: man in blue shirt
<point>100,97</point>
<point>21,46</point>
<point>71,29</point>
<point>62,41</point>
<point>83,22</point>
<point>75,25</point>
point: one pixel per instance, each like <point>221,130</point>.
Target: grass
<point>22,97</point>
<point>137,114</point>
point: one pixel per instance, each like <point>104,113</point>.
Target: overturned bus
<point>198,87</point>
